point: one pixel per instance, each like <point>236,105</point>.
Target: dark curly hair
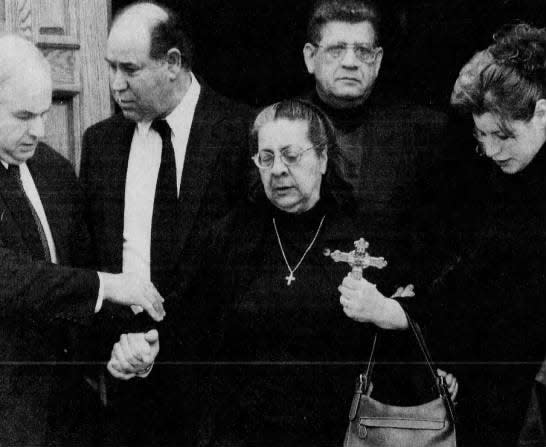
<point>508,78</point>
<point>350,11</point>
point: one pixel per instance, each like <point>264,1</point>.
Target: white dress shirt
<point>142,172</point>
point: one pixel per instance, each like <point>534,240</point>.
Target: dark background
<point>252,50</point>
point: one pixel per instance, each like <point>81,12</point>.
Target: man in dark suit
<point>41,230</point>
<point>391,151</point>
<point>124,157</point>
<point>391,147</point>
<point>155,176</point>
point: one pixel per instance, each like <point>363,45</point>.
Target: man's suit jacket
<point>38,298</point>
<point>214,177</point>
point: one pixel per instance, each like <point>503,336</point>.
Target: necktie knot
<point>161,126</point>
<point>14,171</point>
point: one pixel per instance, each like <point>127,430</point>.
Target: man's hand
<point>133,355</point>
<point>362,302</point>
<point>129,289</point>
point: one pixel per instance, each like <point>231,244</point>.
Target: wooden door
<point>72,35</point>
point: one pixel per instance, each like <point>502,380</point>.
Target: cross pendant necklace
<point>290,278</point>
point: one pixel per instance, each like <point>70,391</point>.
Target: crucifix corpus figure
<point>358,259</point>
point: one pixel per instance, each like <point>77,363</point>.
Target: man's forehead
<point>27,94</point>
<point>127,51</point>
<point>490,123</point>
<point>338,31</point>
<point>34,106</point>
<point>125,56</point>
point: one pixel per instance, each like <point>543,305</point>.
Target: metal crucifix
<point>358,259</point>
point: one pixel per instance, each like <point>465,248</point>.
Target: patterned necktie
<point>25,209</point>
<point>165,212</point>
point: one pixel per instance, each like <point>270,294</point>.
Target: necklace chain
<point>291,277</point>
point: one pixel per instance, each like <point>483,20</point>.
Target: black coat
<point>214,180</point>
<point>393,156</point>
<point>38,298</point>
<point>291,355</point>
<point>487,308</point>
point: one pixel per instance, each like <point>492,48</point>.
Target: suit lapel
<point>54,211</point>
<point>119,148</point>
<point>204,145</point>
<point>12,228</point>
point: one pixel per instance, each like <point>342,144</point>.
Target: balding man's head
<point>25,98</point>
<point>149,61</point>
<point>161,27</point>
<point>20,59</point>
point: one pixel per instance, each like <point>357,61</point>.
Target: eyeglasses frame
<point>374,51</point>
<point>255,157</point>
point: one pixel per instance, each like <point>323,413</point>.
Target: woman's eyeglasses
<point>290,156</point>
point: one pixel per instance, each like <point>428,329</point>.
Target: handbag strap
<point>371,363</point>
<point>439,382</point>
<point>422,344</point>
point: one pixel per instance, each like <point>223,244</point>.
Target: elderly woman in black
<point>290,353</point>
<point>490,302</point>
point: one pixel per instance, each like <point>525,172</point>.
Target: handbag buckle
<point>444,393</point>
<point>362,431</point>
<point>361,383</point>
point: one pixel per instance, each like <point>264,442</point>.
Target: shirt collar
<point>187,104</point>
<point>6,165</point>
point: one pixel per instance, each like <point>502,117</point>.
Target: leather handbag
<point>375,424</point>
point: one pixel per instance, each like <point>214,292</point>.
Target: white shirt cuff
<point>100,297</point>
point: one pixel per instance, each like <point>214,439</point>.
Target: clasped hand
<point>361,300</point>
<point>133,355</point>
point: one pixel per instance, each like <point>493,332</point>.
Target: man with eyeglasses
<point>343,55</point>
<point>390,147</point>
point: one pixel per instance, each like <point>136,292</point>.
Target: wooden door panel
<point>61,133</point>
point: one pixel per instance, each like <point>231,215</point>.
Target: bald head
<point>21,60</point>
<point>140,18</point>
<point>148,12</point>
<point>162,27</point>
<point>25,98</point>
<point>149,62</point>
